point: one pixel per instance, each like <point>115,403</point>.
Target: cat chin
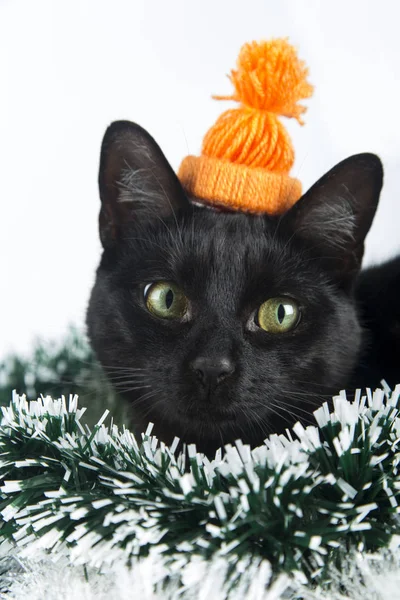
<point>209,429</point>
<point>208,418</point>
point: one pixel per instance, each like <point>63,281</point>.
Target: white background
<point>69,68</point>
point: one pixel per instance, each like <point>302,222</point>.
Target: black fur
<point>378,298</point>
<point>228,264</point>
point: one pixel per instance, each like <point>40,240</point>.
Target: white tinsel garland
<point>361,577</point>
<point>265,523</point>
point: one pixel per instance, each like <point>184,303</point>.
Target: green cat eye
<point>165,300</point>
<point>278,315</point>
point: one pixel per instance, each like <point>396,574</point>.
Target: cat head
<point>219,325</point>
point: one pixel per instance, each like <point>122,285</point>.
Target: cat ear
<point>335,215</point>
<point>135,180</point>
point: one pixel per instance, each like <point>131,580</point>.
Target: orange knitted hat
<point>247,155</point>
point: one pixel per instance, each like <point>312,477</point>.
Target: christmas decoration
<point>286,514</point>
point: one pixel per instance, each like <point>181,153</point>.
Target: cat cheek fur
<point>227,264</point>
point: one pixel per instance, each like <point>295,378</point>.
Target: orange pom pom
<point>270,77</point>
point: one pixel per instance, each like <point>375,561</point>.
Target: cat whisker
<point>278,413</point>
<point>304,382</point>
<point>293,412</point>
<point>291,409</point>
<point>298,408</point>
<point>92,362</point>
<point>219,430</point>
<point>153,405</point>
<point>250,422</point>
<point>122,369</point>
<point>286,406</point>
<point>267,430</point>
<point>128,376</point>
<point>145,396</point>
<point>305,398</point>
<point>239,425</point>
<point>261,423</point>
<point>127,390</point>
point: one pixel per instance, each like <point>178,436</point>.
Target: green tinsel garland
<point>297,503</point>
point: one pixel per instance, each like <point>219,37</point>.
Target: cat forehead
<point>223,229</point>
<point>225,245</point>
<point>217,239</point>
<point>224,239</point>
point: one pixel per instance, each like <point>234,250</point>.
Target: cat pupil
<point>169,298</point>
<point>281,313</point>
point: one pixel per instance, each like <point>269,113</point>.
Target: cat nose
<point>212,370</point>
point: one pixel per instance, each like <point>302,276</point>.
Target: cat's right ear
<point>135,180</point>
<point>335,215</point>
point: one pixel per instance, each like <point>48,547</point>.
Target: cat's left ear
<point>135,180</point>
<point>335,215</point>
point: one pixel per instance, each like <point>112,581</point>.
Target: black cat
<point>218,325</point>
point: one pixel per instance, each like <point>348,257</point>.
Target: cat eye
<point>165,300</point>
<point>278,315</point>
